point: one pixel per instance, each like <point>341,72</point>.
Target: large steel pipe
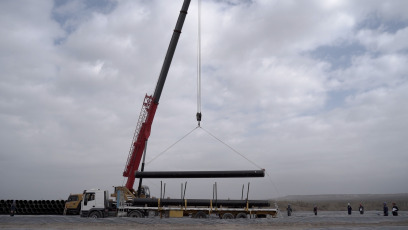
<point>152,202</point>
<point>201,174</point>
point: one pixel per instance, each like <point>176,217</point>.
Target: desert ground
<point>299,220</point>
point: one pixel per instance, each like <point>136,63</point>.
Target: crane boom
<point>150,104</point>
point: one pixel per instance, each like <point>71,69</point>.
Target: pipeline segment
<point>153,202</point>
<point>33,207</point>
<point>200,174</point>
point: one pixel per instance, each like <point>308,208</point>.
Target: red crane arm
<point>140,137</point>
<point>150,104</point>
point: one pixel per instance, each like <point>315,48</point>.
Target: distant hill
<point>338,202</point>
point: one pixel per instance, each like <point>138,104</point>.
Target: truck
<point>96,204</point>
<point>73,204</point>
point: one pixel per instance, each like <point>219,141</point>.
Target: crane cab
<point>144,192</point>
<point>124,194</point>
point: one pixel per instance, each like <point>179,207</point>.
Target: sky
<point>314,92</point>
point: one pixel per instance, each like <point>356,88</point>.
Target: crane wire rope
<point>158,155</point>
<point>230,147</point>
<point>198,115</point>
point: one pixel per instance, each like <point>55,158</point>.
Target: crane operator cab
<point>144,192</point>
<point>126,194</point>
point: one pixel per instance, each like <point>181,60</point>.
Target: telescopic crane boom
<point>150,104</point>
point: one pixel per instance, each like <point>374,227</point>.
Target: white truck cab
<point>95,203</point>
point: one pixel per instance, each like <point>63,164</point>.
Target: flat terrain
<point>299,220</point>
<point>371,202</point>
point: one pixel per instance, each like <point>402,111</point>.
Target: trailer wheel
<point>227,216</point>
<point>242,215</point>
<point>152,213</point>
<point>95,215</point>
<point>200,215</point>
<point>135,214</point>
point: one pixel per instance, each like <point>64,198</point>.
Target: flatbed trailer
<point>197,211</point>
<point>96,205</point>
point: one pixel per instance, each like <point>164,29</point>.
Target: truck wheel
<point>242,215</point>
<point>77,210</point>
<point>95,215</point>
<point>200,215</point>
<point>135,214</point>
<point>227,216</point>
<point>261,216</point>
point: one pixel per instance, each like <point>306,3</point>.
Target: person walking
<point>361,209</point>
<point>349,209</point>
<point>13,208</point>
<point>394,209</point>
<point>289,209</point>
<point>385,209</point>
<point>315,210</point>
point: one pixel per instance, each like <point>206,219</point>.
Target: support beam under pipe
<point>201,174</point>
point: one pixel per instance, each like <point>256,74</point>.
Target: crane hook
<point>198,115</point>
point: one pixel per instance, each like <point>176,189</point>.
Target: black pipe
<point>201,174</point>
<point>153,202</point>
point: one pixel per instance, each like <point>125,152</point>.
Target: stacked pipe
<point>153,202</point>
<point>33,207</point>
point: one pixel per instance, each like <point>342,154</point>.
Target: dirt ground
<point>230,226</point>
<point>300,220</point>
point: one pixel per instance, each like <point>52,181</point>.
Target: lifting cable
<point>158,155</point>
<point>212,135</point>
<point>198,115</point>
<point>242,155</point>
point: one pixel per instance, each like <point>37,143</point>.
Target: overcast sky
<point>315,92</point>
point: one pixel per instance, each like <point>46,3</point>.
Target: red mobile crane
<point>148,111</point>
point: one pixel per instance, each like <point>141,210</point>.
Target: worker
<point>289,210</point>
<point>361,209</point>
<point>394,209</point>
<point>315,209</point>
<point>13,208</point>
<point>349,209</point>
<point>385,209</point>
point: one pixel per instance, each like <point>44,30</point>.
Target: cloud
<point>313,92</point>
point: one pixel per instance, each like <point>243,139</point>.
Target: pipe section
<point>33,207</point>
<point>153,202</point>
<point>201,174</point>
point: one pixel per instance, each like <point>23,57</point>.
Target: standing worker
<point>394,209</point>
<point>385,209</point>
<point>361,209</point>
<point>349,209</point>
<point>13,208</point>
<point>289,210</point>
<point>315,210</point>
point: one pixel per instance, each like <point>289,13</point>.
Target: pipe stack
<point>153,202</point>
<point>33,207</point>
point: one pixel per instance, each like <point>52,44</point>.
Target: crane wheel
<point>242,215</point>
<point>95,215</point>
<point>135,214</point>
<point>200,215</point>
<point>228,216</point>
